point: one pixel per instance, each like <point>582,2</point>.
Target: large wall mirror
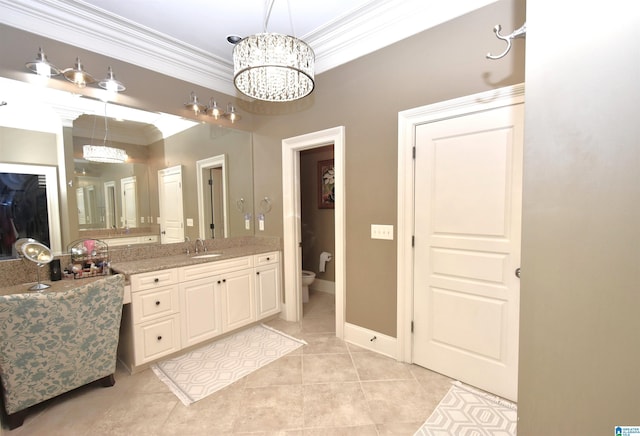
<point>113,199</point>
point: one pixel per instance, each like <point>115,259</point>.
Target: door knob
<point>518,272</point>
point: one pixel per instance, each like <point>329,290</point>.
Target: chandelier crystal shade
<point>273,67</point>
<point>104,154</point>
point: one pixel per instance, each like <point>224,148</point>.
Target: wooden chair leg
<point>15,420</point>
<point>107,381</point>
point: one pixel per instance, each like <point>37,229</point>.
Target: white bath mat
<point>206,370</point>
<point>466,411</point>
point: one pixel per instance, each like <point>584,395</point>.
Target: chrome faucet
<point>204,249</point>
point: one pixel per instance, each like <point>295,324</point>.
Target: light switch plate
<point>382,231</point>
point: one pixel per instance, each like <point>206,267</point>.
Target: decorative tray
<point>89,258</point>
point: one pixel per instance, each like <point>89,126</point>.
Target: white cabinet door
<point>268,290</point>
<point>238,299</point>
<point>156,339</point>
<point>199,310</point>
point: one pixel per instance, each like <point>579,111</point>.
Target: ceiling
<point>186,39</point>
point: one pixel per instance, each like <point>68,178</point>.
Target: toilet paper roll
<point>324,258</point>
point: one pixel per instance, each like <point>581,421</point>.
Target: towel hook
<point>518,33</point>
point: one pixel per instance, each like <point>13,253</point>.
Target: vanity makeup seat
<point>55,341</point>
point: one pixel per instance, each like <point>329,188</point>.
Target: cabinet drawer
<point>155,279</point>
<point>148,239</point>
<point>217,267</point>
<point>156,339</point>
<point>267,258</point>
<point>155,303</point>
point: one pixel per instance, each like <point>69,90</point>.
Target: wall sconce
<point>231,113</point>
<point>76,75</point>
<point>212,108</point>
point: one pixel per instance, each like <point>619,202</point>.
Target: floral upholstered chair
<point>55,341</point>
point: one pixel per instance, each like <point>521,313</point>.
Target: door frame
<point>407,122</point>
<point>219,161</point>
<point>291,148</point>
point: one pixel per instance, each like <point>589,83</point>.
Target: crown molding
<point>379,24</point>
<point>363,31</point>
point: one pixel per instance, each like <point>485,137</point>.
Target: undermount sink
<point>206,256</point>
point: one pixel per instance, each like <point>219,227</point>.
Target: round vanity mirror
<point>41,255</point>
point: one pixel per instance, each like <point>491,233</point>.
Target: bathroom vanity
<point>178,302</point>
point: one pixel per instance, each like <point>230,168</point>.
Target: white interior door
<point>82,215</point>
<point>170,204</point>
<point>468,189</point>
<point>129,201</point>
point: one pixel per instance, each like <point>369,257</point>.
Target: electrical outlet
<point>189,222</point>
<point>381,231</point>
<point>141,220</point>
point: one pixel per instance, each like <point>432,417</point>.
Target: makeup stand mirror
<point>38,253</point>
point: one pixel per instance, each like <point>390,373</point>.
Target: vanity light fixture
<point>194,105</point>
<point>41,65</point>
<point>110,83</point>
<point>76,75</point>
<point>272,66</point>
<point>212,108</point>
<point>231,114</point>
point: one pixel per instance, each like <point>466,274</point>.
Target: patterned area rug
<point>466,411</point>
<point>206,370</point>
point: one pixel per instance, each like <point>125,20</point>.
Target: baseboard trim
<point>370,340</point>
<point>323,286</point>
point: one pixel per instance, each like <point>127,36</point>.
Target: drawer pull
<point>258,273</point>
<point>224,280</point>
<point>156,280</point>
<point>159,338</point>
<point>157,303</point>
<point>218,281</point>
<point>268,258</point>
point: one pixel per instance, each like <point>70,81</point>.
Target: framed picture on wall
<point>326,183</point>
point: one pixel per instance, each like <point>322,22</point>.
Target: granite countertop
<point>129,268</point>
<point>57,286</point>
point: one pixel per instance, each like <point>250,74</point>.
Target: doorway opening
<point>213,216</point>
<point>291,149</point>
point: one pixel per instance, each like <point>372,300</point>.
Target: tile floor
<point>327,387</point>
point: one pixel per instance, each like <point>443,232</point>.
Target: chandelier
<point>272,66</point>
<point>103,153</point>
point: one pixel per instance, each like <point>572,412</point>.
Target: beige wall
<point>27,147</point>
<point>201,142</point>
<point>580,297</point>
<point>365,96</point>
<point>318,225</point>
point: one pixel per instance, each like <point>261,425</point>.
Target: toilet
<point>307,278</point>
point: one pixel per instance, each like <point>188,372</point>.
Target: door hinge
<point>413,241</point>
<point>411,326</point>
<point>414,152</point>
<point>210,182</point>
